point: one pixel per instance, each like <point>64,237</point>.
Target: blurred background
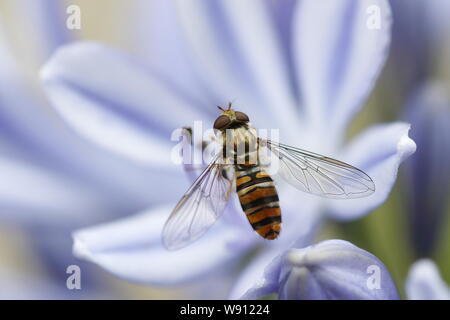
<point>35,250</point>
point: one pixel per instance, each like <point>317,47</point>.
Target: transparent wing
<point>320,175</point>
<point>199,208</point>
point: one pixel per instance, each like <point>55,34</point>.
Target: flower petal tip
<point>406,146</point>
<point>424,282</point>
<point>75,49</point>
<point>80,250</point>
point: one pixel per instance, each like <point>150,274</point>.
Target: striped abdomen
<point>259,200</point>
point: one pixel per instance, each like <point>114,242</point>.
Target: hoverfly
<point>205,200</point>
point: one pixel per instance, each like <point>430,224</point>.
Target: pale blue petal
<point>259,278</point>
<point>378,151</point>
<point>255,33</point>
<point>213,51</point>
<point>334,269</point>
<point>338,57</point>
<point>132,249</point>
<point>114,101</point>
<point>33,195</point>
<point>283,13</point>
<point>159,41</point>
<point>424,282</point>
<point>213,43</point>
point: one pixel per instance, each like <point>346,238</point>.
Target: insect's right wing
<point>199,208</point>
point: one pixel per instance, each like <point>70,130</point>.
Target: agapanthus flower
<point>425,283</point>
<point>281,67</point>
<point>329,270</point>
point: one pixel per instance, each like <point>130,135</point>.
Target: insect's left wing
<point>321,175</point>
<point>199,208</point>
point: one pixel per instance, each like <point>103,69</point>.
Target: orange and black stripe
<point>259,200</point>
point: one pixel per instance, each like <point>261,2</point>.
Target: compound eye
<point>221,122</point>
<point>241,116</point>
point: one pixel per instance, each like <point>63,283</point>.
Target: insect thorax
<point>240,146</point>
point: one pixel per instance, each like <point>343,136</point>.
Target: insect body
<point>255,188</point>
<point>205,200</point>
